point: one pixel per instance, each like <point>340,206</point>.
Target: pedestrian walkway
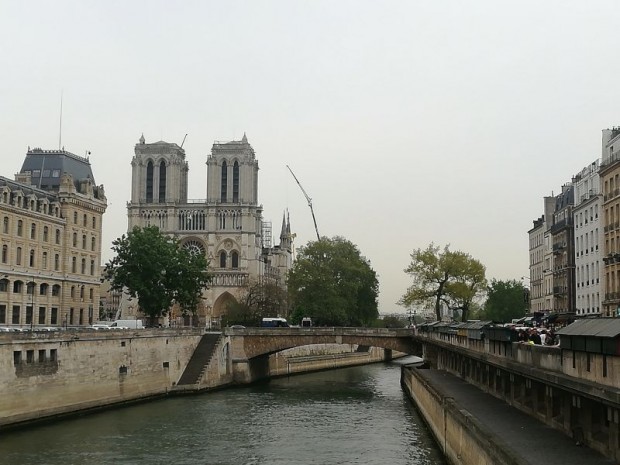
<point>524,435</point>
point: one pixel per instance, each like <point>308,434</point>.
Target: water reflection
<point>351,416</point>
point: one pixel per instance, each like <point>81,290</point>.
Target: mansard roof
<point>47,167</point>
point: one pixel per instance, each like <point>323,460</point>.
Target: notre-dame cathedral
<point>227,226</point>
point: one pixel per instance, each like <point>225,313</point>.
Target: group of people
<point>537,336</point>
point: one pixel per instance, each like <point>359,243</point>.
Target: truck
<point>127,324</point>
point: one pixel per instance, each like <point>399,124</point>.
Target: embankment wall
<point>461,437</point>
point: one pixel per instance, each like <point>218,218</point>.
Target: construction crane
<point>309,202</point>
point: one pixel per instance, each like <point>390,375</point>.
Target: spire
<point>142,140</point>
<point>245,138</point>
<point>283,231</point>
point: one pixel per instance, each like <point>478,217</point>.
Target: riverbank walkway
<point>528,438</point>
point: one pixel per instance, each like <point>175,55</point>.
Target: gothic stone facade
<point>227,226</point>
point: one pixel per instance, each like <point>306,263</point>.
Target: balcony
<point>229,279</point>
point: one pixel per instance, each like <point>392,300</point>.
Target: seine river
<point>354,415</point>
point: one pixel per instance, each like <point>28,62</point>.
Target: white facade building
<point>588,241</point>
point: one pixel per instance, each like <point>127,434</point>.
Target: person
<point>543,336</point>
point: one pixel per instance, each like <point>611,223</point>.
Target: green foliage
<point>454,278</point>
<point>332,283</point>
<point>152,267</point>
<point>261,299</point>
<point>505,301</point>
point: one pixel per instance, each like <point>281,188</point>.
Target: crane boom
<point>309,202</point>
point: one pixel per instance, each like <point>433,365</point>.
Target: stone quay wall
<point>54,374</point>
<point>57,373</point>
<point>461,437</point>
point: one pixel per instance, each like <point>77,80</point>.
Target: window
<point>84,220</point>
<point>45,233</point>
<point>2,314</point>
<point>84,241</point>
<point>41,355</point>
<point>18,256</point>
<point>20,227</point>
<point>235,259</point>
<point>236,182</point>
<point>33,231</point>
<point>54,316</point>
<point>224,182</point>
<point>53,355</point>
<point>73,265</point>
<point>91,293</point>
<point>31,259</point>
<point>222,259</point>
<point>71,316</point>
<point>72,292</point>
<point>74,239</point>
<point>56,262</point>
<point>83,266</point>
<point>58,236</point>
<point>162,182</point>
<point>5,253</point>
<point>92,267</point>
<point>30,356</point>
<point>44,261</point>
<point>55,173</point>
<point>56,290</point>
<point>149,181</point>
<point>75,217</point>
<point>41,315</point>
<point>4,285</point>
<point>15,315</point>
<point>94,222</point>
<point>5,225</point>
<point>92,243</point>
<point>17,357</point>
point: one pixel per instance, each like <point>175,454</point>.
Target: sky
<point>406,122</point>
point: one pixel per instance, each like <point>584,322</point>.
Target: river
<point>355,415</point>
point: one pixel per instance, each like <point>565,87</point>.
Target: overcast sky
<point>407,122</point>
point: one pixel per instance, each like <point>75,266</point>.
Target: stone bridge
<point>251,347</point>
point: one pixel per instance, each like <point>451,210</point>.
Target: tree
<point>454,278</point>
<point>261,299</point>
<point>332,283</point>
<point>505,301</point>
<point>152,267</point>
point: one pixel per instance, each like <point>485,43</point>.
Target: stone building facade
<point>610,182</point>
<point>50,239</point>
<point>227,226</point>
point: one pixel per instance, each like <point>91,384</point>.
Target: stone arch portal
<point>220,306</point>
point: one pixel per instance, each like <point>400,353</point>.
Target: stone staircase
<point>200,360</point>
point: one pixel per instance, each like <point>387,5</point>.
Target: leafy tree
<point>466,285</point>
<point>332,283</point>
<point>454,278</point>
<point>505,301</point>
<point>261,299</point>
<point>152,267</point>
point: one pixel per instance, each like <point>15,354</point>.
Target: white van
<point>127,324</point>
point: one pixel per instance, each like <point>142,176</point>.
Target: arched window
<point>234,256</point>
<point>45,233</point>
<point>84,241</point>
<point>84,220</point>
<point>74,217</point>
<point>224,181</point>
<point>56,262</point>
<point>72,292</point>
<point>5,253</point>
<point>5,225</point>
<point>73,264</point>
<point>58,236</point>
<point>33,231</point>
<point>92,244</point>
<point>44,261</point>
<point>236,182</point>
<point>92,267</point>
<point>74,239</point>
<point>94,222</point>
<point>18,256</point>
<point>83,266</point>
<point>162,182</point>
<point>31,257</point>
<point>149,181</point>
<point>222,259</point>
<point>20,226</point>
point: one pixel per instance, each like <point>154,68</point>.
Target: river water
<point>357,415</point>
